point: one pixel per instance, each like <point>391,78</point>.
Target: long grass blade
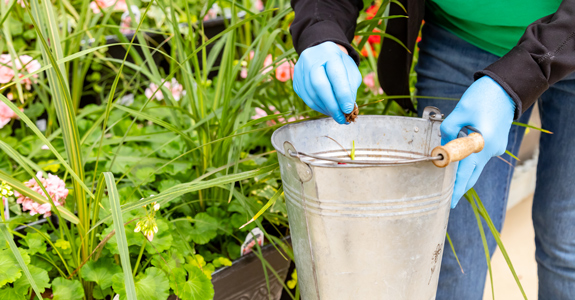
<point>483,212</point>
<point>454,253</point>
<point>532,127</point>
<point>483,239</point>
<point>120,235</point>
<point>265,207</point>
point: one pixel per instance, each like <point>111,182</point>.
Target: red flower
<point>371,11</point>
<point>374,39</point>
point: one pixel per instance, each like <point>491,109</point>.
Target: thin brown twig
<point>99,247</point>
<point>342,147</point>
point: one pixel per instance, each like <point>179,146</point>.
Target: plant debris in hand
<point>351,116</point>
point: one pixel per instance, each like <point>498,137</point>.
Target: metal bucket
<point>373,230</point>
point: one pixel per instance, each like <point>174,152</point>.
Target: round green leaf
<point>197,287</point>
<point>9,268</point>
<point>205,228</point>
<point>100,272</point>
<point>40,276</point>
<point>64,289</point>
<point>9,293</point>
<point>151,285</point>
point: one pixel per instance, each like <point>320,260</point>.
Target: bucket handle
<point>458,149</point>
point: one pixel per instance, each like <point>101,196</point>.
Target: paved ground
<point>518,238</point>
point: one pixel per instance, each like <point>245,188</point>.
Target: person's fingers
<point>451,126</point>
<point>323,89</point>
<point>337,75</point>
<point>313,95</point>
<point>475,176</point>
<point>464,172</point>
<point>353,74</point>
<point>302,90</point>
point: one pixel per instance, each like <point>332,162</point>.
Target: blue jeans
<point>445,69</point>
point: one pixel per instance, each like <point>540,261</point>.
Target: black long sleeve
<point>544,55</point>
<point>318,21</point>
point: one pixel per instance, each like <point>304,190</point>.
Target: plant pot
<point>246,280</point>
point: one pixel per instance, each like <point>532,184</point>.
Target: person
<point>498,58</point>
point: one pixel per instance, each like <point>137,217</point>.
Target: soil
<point>351,116</point>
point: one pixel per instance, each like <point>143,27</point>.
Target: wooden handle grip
<point>458,149</point>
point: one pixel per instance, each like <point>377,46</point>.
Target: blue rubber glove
<point>327,79</point>
<point>487,107</point>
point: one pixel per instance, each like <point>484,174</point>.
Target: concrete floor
<point>518,237</point>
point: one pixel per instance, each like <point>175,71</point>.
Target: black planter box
<point>245,279</point>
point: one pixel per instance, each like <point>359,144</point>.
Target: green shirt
<point>492,25</point>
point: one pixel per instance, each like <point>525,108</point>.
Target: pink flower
<point>176,88</point>
<point>23,62</point>
<point>284,72</point>
<point>212,14</point>
<point>125,25</point>
<point>31,66</point>
<point>267,62</point>
<point>6,74</point>
<point>259,5</point>
<point>244,72</point>
<point>369,81</point>
<point>55,187</point>
<point>21,2</point>
<point>99,4</point>
<point>127,19</point>
<point>6,114</point>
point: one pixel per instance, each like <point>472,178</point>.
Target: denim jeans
<point>445,69</point>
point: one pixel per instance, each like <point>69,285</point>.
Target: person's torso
<point>492,25</point>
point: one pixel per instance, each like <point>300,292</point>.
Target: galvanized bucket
<point>374,227</point>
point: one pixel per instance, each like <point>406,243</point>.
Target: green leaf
<point>120,235</point>
<point>205,228</point>
<point>151,285</point>
<point>101,294</point>
<point>276,196</point>
<point>65,289</point>
<point>100,271</point>
<point>197,287</point>
<point>532,127</point>
<point>469,198</point>
<point>495,233</point>
<point>39,275</point>
<point>36,243</point>
<point>9,293</point>
<point>222,262</point>
<point>34,110</point>
<point>145,175</point>
<point>9,268</point>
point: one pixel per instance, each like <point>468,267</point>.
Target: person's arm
<point>318,21</point>
<point>544,55</point>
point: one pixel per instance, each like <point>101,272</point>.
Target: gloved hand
<point>327,79</point>
<point>487,107</point>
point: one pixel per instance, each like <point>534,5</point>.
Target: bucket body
<point>366,231</point>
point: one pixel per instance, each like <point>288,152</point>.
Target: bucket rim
<point>280,148</point>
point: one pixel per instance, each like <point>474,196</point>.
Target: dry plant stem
<point>351,116</point>
<point>99,248</point>
<point>342,147</point>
